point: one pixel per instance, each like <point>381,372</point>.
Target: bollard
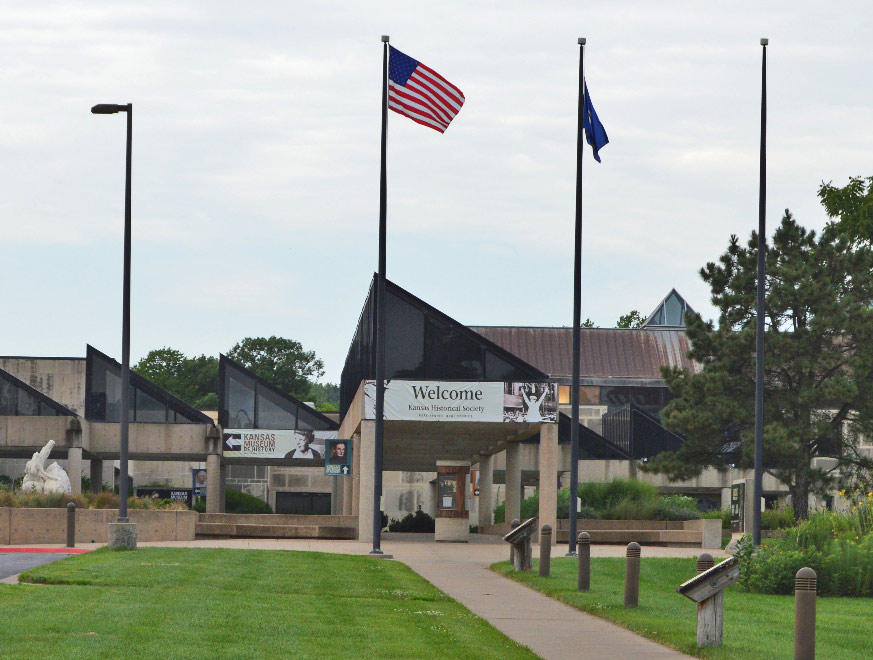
<point>515,523</point>
<point>704,562</point>
<point>583,548</point>
<point>545,550</point>
<point>71,525</point>
<point>805,587</point>
<point>632,575</point>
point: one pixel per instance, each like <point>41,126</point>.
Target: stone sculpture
<point>51,480</point>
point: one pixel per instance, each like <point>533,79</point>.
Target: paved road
<point>13,563</point>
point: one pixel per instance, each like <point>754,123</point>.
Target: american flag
<point>420,93</point>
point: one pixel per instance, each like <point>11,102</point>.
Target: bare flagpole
<point>760,320</point>
<point>380,317</point>
<point>577,309</point>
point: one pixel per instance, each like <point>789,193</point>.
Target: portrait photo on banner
<point>530,402</point>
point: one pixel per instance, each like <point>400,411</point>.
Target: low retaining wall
<point>20,526</point>
<point>272,525</point>
<point>703,533</point>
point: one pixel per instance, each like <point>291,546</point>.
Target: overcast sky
<point>256,160</point>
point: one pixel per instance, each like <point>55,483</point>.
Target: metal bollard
<point>545,550</point>
<point>704,562</point>
<point>515,523</point>
<point>805,588</point>
<point>71,524</point>
<point>583,548</point>
<point>632,575</point>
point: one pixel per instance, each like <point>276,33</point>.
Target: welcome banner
<point>439,401</point>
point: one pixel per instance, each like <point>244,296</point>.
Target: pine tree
<point>818,391</point>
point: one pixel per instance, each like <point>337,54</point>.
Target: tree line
<point>281,362</point>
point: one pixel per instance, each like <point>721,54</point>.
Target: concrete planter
<point>701,533</point>
<point>20,526</point>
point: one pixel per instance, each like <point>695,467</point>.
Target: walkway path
<point>552,630</point>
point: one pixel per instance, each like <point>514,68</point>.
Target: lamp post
<point>111,109</point>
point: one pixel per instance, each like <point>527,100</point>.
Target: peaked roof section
<point>423,343</point>
<point>175,404</point>
<point>605,352</point>
<point>33,399</point>
<point>226,364</point>
<point>670,312</point>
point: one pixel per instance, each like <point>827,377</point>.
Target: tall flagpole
<point>380,317</point>
<point>577,309</point>
<point>760,320</point>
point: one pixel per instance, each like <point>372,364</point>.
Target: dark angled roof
<point>606,352</point>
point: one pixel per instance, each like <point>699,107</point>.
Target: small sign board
<point>709,583</point>
<point>181,494</point>
<point>474,481</point>
<point>198,482</point>
<point>738,505</point>
<point>338,457</point>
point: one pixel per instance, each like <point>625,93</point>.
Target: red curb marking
<point>64,551</point>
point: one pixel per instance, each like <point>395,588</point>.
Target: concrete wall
<point>405,492</point>
<point>157,441</point>
<point>61,379</point>
<point>29,526</point>
<point>31,433</point>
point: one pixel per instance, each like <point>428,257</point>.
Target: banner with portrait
<point>287,444</point>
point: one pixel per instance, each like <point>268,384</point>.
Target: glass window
<point>451,354</point>
<point>149,409</point>
<point>8,398</point>
<point>673,311</point>
<point>273,413</point>
<point>448,491</point>
<point>240,404</point>
<point>499,369</point>
<point>404,333</point>
<point>27,404</point>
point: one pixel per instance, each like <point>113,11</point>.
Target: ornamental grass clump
<point>101,500</point>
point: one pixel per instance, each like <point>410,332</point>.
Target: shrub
<point>724,514</point>
<point>604,495</point>
<point>781,518</point>
<point>102,500</point>
<point>837,546</point>
<point>619,499</point>
<point>236,501</point>
<point>418,522</point>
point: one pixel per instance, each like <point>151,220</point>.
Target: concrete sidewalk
<point>552,630</point>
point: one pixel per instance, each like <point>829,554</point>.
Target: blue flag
<point>594,131</point>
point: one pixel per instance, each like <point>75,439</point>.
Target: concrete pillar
<point>96,475</point>
<point>222,482</point>
<point>74,469</point>
<point>356,474</point>
<point>213,483</point>
<point>513,481</point>
<point>548,514</point>
<point>349,483</point>
<point>366,458</point>
<point>486,490</point>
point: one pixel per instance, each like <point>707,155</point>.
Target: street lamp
<point>111,109</point>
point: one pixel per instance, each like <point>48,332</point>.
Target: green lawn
<point>756,627</point>
<point>216,603</point>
